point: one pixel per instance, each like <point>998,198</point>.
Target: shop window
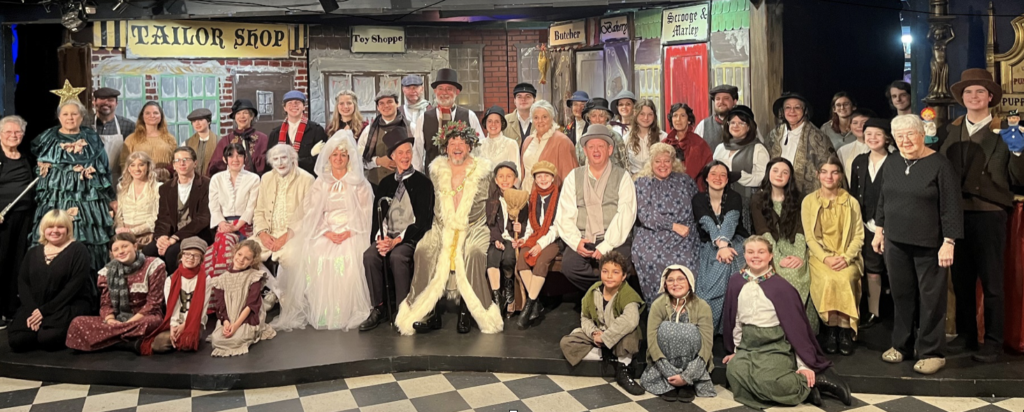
<point>529,69</point>
<point>265,103</point>
<point>181,94</point>
<point>133,93</point>
<point>467,59</point>
<point>590,73</point>
<point>365,85</point>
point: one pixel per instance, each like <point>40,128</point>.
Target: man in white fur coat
<point>451,259</point>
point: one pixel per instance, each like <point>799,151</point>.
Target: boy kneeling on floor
<point>608,323</point>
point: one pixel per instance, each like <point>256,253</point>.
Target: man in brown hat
<point>987,168</point>
<point>112,127</point>
<point>446,89</point>
<point>204,140</point>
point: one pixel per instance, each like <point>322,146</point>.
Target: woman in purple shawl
<point>773,357</point>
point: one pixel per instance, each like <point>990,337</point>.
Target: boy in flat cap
<point>204,140</point>
<point>299,132</point>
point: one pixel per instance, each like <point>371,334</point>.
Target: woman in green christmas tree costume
<point>74,176</point>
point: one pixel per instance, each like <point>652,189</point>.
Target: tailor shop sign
<point>614,28</point>
<point>377,39</point>
<point>193,39</point>
<point>688,24</point>
<point>562,34</point>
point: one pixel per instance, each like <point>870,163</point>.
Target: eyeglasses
<point>738,124</point>
<point>186,160</point>
<point>193,256</point>
<point>9,134</point>
<point>843,105</point>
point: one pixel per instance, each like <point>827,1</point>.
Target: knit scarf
<point>400,177</point>
<point>188,340</point>
<point>283,137</point>
<point>117,284</point>
<point>549,215</point>
<point>593,199</point>
<point>378,123</point>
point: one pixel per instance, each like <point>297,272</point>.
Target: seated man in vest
<point>298,131</point>
<point>406,217</point>
<point>372,148</point>
<point>596,209</point>
<point>184,210</point>
<point>446,90</point>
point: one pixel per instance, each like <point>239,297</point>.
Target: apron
<point>113,143</point>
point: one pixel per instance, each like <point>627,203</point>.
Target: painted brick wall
<point>297,60</point>
<point>499,59</point>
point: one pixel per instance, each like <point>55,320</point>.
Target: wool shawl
<point>695,151</point>
<point>789,308</point>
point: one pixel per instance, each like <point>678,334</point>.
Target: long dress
<point>146,297</point>
<point>837,231</point>
<point>239,290</point>
<point>661,203</point>
<point>783,248</point>
<point>714,275</point>
<point>79,180</point>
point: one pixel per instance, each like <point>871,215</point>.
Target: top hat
<point>976,77</point>
<point>395,137</point>
<point>446,76</point>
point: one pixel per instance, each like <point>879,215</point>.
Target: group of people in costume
<point>707,229</point>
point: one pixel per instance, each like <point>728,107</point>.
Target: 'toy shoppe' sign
<point>687,24</point>
<point>561,34</point>
<point>378,39</point>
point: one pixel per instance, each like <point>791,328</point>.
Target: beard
<point>445,102</point>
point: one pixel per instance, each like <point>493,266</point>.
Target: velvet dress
<point>660,204</point>
<point>78,176</point>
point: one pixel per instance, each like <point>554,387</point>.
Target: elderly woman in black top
<point>55,285</point>
<point>16,173</point>
<point>920,205</point>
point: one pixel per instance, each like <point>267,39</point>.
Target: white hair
<point>18,120</point>
<point>543,105</point>
<point>280,149</point>
<point>907,121</point>
<point>81,107</point>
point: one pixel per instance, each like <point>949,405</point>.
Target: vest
<point>609,200</point>
<point>400,215</point>
<point>431,124</point>
<point>183,216</point>
<point>744,162</point>
<point>381,150</point>
<point>712,132</point>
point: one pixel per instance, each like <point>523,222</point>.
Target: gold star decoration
<point>68,92</point>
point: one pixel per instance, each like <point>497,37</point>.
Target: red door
<point>686,77</point>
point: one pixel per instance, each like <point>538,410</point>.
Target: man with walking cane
<point>405,204</point>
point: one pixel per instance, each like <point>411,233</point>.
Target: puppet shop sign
<point>378,39</point>
<point>687,24</point>
<point>614,28</point>
<point>562,34</point>
<point>193,39</point>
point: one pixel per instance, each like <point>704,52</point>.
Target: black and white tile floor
<point>432,391</point>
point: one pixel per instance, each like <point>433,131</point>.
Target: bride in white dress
<point>325,286</point>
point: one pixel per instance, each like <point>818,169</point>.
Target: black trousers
<point>14,242</point>
<point>583,272</point>
<point>918,287</point>
<point>504,260</point>
<point>400,266</point>
<point>170,258</point>
<point>980,256</point>
<point>50,337</point>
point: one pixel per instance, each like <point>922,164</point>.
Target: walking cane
<point>389,299</point>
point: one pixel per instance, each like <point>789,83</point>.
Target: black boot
<point>134,346</point>
<point>830,384</point>
<point>846,345</point>
<point>870,321</point>
<point>814,398</point>
<point>671,396</point>
<point>496,298</point>
<point>371,321</point>
<point>433,321</point>
<point>464,319</point>
<point>625,381</point>
<point>536,311</point>
<point>524,316</point>
<point>687,393</point>
<point>510,291</point>
<point>831,339</point>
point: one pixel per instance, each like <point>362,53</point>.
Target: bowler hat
<point>578,96</point>
<point>524,88</point>
<point>395,137</point>
<point>498,111</point>
<point>243,104</point>
<point>446,76</point>
<point>881,124</point>
<point>777,106</point>
<point>977,77</point>
<point>597,131</point>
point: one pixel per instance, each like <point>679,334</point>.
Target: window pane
<point>170,110</point>
<point>365,88</point>
<point>183,110</point>
<point>113,82</point>
<point>181,82</point>
<point>211,86</point>
<point>212,105</point>
<point>184,132</point>
<point>133,88</point>
<point>197,85</point>
<point>132,108</point>
<point>265,103</point>
<point>167,87</point>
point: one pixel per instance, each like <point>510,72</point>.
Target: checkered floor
<point>431,391</point>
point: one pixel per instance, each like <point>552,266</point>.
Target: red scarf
<point>188,340</point>
<point>549,215</point>
<point>283,136</point>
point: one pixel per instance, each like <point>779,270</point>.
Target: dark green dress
<point>65,187</point>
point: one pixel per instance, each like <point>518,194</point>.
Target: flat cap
<point>194,242</point>
<point>200,113</point>
<point>412,80</point>
<point>105,93</point>
<point>294,95</point>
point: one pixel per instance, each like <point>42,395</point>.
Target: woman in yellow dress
<point>835,234</point>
